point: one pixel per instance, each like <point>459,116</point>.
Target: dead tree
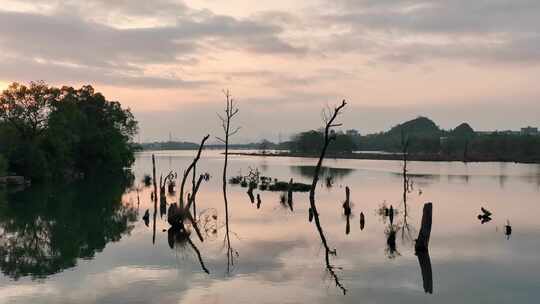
<point>154,198</point>
<point>347,209</point>
<point>329,118</point>
<point>426,271</point>
<point>406,227</point>
<point>290,194</point>
<point>422,242</point>
<point>177,214</point>
<point>193,184</point>
<point>422,248</point>
<point>138,199</point>
<point>230,112</point>
<point>191,166</point>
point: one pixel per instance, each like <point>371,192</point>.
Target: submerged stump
<point>422,242</point>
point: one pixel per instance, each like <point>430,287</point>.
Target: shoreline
<point>397,157</point>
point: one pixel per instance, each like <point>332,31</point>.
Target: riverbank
<point>390,156</point>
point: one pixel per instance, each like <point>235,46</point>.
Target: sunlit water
<point>89,244</point>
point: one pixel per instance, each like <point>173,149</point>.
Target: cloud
<point>26,70</point>
<point>70,39</point>
<point>408,31</point>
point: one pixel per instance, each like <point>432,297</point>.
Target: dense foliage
<point>48,132</point>
<point>312,141</point>
<point>426,138</point>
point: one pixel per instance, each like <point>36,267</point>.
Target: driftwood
<point>422,242</point>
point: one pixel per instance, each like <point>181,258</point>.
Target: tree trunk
<point>422,242</point>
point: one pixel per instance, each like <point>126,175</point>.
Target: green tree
<point>64,132</point>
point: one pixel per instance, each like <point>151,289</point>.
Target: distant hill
<point>421,126</point>
<point>463,130</point>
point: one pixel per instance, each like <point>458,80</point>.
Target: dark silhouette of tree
<point>26,108</point>
<point>47,228</point>
<point>329,119</point>
<point>230,112</point>
<point>311,142</point>
<point>64,132</point>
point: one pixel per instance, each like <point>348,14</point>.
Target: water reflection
<point>179,237</point>
<point>426,271</point>
<point>507,230</point>
<point>46,228</point>
<point>327,173</point>
<point>485,217</point>
<point>282,257</point>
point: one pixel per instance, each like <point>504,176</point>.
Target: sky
<point>284,61</point>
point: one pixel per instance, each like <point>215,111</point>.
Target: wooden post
<point>425,230</point>
<point>290,193</point>
<point>154,177</point>
<point>347,203</point>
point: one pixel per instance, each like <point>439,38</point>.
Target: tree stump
<point>422,241</point>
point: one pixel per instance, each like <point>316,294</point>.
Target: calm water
<point>87,243</point>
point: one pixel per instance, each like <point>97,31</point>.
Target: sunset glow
<point>173,58</point>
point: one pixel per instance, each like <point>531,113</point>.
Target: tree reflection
<point>326,172</point>
<point>48,227</point>
<point>425,268</point>
<point>329,118</point>
<point>179,237</point>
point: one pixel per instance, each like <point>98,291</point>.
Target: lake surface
<point>88,243</point>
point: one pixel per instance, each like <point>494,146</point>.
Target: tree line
<point>49,132</point>
<point>424,137</point>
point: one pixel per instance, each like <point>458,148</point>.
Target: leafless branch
<point>329,120</point>
<point>186,173</point>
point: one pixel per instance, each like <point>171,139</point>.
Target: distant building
<point>529,131</point>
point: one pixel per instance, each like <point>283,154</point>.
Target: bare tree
<point>230,111</point>
<point>184,210</point>
<point>191,167</point>
<point>406,227</point>
<point>329,117</point>
<point>154,197</point>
